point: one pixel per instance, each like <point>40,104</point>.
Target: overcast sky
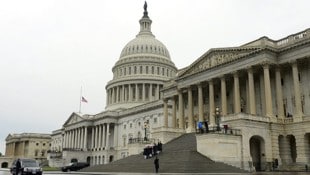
<point>50,48</point>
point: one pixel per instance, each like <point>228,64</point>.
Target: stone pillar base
<point>164,135</point>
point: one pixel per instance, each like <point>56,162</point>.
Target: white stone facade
<point>262,89</point>
<point>26,145</point>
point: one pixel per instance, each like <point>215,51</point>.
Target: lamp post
<point>217,115</point>
<point>145,127</point>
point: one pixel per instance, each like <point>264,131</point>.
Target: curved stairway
<point>179,156</point>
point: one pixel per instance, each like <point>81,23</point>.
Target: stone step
<point>178,156</point>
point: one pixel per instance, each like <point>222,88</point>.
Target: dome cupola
<point>143,67</point>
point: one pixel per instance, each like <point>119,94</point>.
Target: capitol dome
<point>140,72</point>
<point>145,44</point>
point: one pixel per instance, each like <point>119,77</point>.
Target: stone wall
<point>227,148</point>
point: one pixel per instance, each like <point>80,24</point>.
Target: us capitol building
<point>259,92</point>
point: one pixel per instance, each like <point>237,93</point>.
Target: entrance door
<point>257,152</point>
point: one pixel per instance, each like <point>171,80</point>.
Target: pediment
<point>74,118</point>
<point>216,57</point>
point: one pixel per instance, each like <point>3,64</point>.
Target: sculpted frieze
<point>216,58</point>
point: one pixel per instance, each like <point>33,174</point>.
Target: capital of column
<point>235,74</point>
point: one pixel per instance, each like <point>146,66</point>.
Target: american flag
<point>84,100</point>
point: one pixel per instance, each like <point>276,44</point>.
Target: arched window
<point>147,69</point>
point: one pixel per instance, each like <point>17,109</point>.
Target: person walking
<point>156,163</point>
<point>18,166</point>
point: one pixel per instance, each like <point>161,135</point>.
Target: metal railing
<point>141,140</point>
<point>219,130</point>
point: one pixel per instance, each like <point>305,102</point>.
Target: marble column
<point>268,100</point>
<point>298,107</point>
<point>223,96</point>
<point>165,113</point>
<point>96,137</point>
<point>117,94</point>
<point>237,107</point>
<point>74,139</point>
<point>157,92</point>
<point>181,110</point>
<point>130,92</point>
<point>65,140</point>
<point>211,103</point>
<point>200,103</point>
<point>78,138</point>
<point>69,139</point>
<point>93,138</point>
<point>103,136</point>
<point>190,109</point>
<point>280,107</point>
<point>150,92</point>
<point>100,137</point>
<point>251,92</point>
<point>107,146</point>
<point>137,92</point>
<point>85,138</point>
<point>143,92</point>
<point>113,95</point>
<point>174,113</point>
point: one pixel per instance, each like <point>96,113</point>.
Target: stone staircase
<point>178,156</point>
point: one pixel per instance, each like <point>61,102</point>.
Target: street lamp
<point>145,127</point>
<point>217,115</point>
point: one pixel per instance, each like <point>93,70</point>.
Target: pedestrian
<point>18,166</point>
<point>160,147</point>
<point>156,163</point>
<point>206,126</point>
<point>155,149</point>
<point>200,127</point>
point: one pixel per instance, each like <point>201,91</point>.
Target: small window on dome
<point>137,48</point>
<point>125,71</point>
<point>140,69</point>
<point>129,70</point>
<point>152,69</point>
<point>163,71</point>
<point>146,48</point>
<point>147,69</point>
<point>157,70</point>
<point>167,72</point>
<point>135,70</point>
<point>141,48</point>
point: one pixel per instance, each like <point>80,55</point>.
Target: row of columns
<point>100,137</point>
<point>131,93</point>
<point>76,138</point>
<point>10,149</point>
<point>237,105</point>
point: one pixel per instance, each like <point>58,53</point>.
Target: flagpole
<point>80,100</point>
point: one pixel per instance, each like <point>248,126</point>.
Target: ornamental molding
<point>216,57</point>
